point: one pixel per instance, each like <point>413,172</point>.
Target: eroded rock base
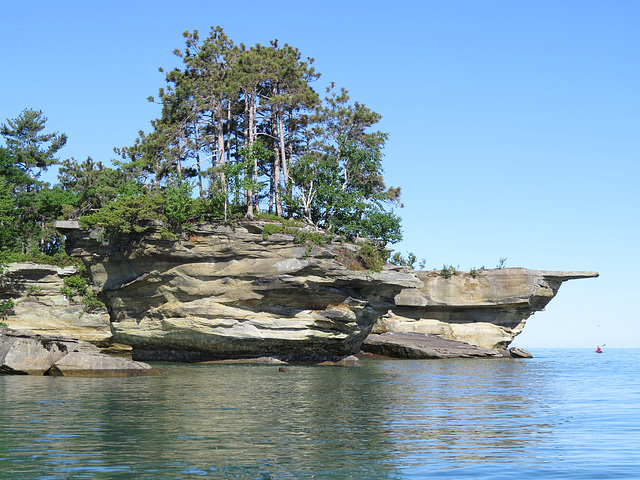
<point>411,345</point>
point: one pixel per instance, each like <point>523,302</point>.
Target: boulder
<point>519,353</point>
<point>26,353</point>
<point>92,364</point>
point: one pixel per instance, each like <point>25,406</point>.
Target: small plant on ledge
<point>448,271</point>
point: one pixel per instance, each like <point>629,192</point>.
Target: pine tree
<point>33,152</point>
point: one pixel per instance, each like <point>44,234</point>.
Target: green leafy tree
<point>248,125</point>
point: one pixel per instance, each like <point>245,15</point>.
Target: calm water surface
<point>563,414</point>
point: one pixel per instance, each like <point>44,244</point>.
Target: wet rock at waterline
<point>26,353</point>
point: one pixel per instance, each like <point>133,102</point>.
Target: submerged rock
<point>412,345</point>
<point>91,364</point>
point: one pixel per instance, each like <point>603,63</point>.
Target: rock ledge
<point>26,353</point>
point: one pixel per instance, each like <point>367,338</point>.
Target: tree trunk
<point>276,166</point>
<point>249,140</point>
<point>283,153</point>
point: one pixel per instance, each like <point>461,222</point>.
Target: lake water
<point>563,414</point>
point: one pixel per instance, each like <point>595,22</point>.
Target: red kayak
<point>598,350</point>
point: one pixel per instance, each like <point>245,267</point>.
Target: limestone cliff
<point>487,309</point>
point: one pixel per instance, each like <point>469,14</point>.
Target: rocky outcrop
<point>487,309</point>
<point>228,292</point>
<point>222,292</point>
<point>411,345</point>
<point>26,353</point>
<point>40,306</point>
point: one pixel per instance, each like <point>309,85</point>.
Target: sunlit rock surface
<point>225,292</point>
<point>27,353</point>
<point>228,292</point>
<point>41,307</point>
<point>487,309</point>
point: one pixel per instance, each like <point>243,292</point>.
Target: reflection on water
<point>383,420</point>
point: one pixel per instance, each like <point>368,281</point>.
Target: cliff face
<point>487,310</point>
<point>40,306</point>
<point>224,292</point>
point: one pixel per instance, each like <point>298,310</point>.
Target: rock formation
<point>26,353</point>
<point>41,307</point>
<point>411,345</point>
<point>487,309</point>
<point>225,292</point>
<point>222,292</point>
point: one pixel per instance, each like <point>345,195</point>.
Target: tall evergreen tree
<point>248,123</point>
<point>28,153</point>
<point>32,150</point>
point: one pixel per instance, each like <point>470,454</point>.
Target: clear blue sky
<point>514,125</point>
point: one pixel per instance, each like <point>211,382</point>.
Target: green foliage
<point>127,214</point>
<point>8,215</point>
<point>34,290</point>
<point>273,228</point>
<point>303,236</point>
<point>77,285</point>
<point>398,259</point>
<point>29,206</point>
<point>93,184</point>
<point>91,303</point>
<point>32,150</point>
<point>448,271</point>
<point>59,259</point>
<point>246,122</point>
<point>179,204</point>
<point>474,272</point>
<point>6,306</point>
<point>502,263</point>
<point>241,124</point>
<point>373,259</point>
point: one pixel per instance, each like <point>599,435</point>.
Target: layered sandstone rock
<point>41,307</point>
<point>224,292</point>
<point>228,292</point>
<point>487,309</point>
<point>412,345</point>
